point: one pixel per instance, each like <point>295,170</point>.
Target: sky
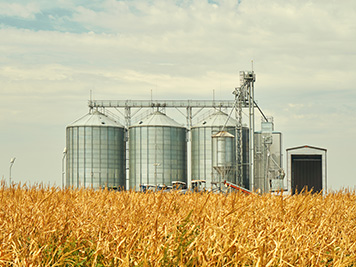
<point>54,53</point>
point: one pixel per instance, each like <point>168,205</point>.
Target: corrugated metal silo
<point>157,151</point>
<point>95,152</point>
<point>223,154</point>
<point>202,148</point>
<point>268,162</point>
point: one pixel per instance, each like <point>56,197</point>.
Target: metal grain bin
<point>157,151</point>
<point>202,148</point>
<point>223,154</point>
<point>95,152</point>
<point>268,162</point>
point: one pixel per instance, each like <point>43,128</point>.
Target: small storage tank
<point>223,155</point>
<point>157,151</point>
<point>95,152</point>
<point>268,162</point>
<point>202,148</point>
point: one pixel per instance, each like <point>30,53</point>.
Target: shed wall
<point>304,165</point>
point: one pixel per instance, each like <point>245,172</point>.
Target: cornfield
<point>43,226</point>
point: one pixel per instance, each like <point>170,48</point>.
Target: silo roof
<point>217,119</point>
<point>223,134</point>
<point>157,118</point>
<point>95,118</point>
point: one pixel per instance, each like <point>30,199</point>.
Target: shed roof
<point>306,146</point>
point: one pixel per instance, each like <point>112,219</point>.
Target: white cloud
<point>27,11</point>
<point>44,72</point>
<point>304,56</point>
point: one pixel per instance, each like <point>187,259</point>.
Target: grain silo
<point>268,172</point>
<point>223,154</point>
<point>202,148</point>
<point>95,152</point>
<point>268,162</point>
<point>157,151</point>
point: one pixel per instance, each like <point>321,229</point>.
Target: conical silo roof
<point>217,119</point>
<point>223,134</point>
<point>157,118</point>
<point>95,118</point>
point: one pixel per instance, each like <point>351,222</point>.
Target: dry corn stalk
<point>41,226</point>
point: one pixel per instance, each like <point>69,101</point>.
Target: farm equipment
<point>152,188</point>
<point>238,188</point>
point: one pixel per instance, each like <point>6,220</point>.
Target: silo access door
<point>306,173</point>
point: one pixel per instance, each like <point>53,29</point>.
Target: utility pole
<point>11,163</point>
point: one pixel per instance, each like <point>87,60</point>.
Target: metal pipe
<point>253,131</point>
<point>251,109</point>
<point>160,103</point>
<point>260,110</point>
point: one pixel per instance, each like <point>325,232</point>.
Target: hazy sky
<point>52,53</point>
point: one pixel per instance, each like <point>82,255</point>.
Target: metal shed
<point>306,169</point>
